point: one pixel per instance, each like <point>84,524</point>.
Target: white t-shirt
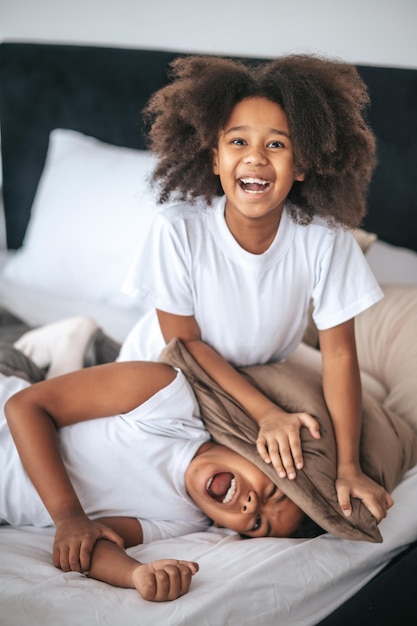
<point>250,308</point>
<point>129,465</point>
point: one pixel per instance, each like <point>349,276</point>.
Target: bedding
<point>75,171</point>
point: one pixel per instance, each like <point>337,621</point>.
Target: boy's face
<point>254,159</point>
<point>235,494</point>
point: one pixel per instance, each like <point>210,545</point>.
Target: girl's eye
<point>238,142</point>
<point>257,524</point>
<point>276,144</point>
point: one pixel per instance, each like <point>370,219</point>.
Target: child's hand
<point>166,579</point>
<point>279,440</point>
<point>75,538</point>
<point>352,482</point>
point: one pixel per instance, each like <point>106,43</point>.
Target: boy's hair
<point>308,529</point>
<point>324,101</point>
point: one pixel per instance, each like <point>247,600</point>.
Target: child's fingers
<point>287,458</point>
<point>155,586</point>
<point>287,448</point>
<point>262,449</point>
<point>378,506</point>
<point>192,565</point>
<point>279,459</point>
<point>296,451</point>
<point>311,423</point>
<point>85,552</point>
<point>81,554</point>
<point>343,496</point>
<point>68,557</point>
<point>376,499</point>
<point>61,557</point>
<point>375,508</point>
<point>113,536</point>
<point>180,581</point>
<point>168,580</point>
<point>269,452</point>
<point>279,454</point>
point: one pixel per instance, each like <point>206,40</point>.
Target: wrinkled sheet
<point>259,581</point>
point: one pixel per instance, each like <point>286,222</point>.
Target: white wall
<point>375,32</point>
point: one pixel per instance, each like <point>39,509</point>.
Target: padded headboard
<point>101,92</point>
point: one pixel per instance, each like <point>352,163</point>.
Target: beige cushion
<point>386,338</point>
<point>388,444</point>
<point>364,239</point>
<point>311,357</point>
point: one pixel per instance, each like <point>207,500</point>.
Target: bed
<point>77,203</point>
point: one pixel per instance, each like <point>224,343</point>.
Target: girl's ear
<point>214,153</point>
<point>299,177</point>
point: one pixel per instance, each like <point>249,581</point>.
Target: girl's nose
<point>255,156</point>
<point>250,503</point>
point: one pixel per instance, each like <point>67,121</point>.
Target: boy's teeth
<point>230,492</point>
<point>222,487</point>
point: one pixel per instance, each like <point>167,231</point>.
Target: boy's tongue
<point>220,484</point>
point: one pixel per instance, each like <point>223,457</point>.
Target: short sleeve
<point>172,411</point>
<point>346,285</point>
<point>164,529</point>
<point>160,275</point>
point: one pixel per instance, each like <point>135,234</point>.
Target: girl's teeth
<point>253,185</point>
<point>256,181</point>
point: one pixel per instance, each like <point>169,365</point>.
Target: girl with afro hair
<point>268,165</point>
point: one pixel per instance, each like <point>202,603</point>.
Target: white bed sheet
<point>240,582</point>
<point>38,307</point>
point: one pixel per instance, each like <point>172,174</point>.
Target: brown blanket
<point>388,444</point>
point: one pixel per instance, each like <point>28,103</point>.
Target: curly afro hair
<point>324,101</point>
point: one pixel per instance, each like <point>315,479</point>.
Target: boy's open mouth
<point>254,185</point>
<point>222,487</point>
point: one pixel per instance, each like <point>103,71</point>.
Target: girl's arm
<point>279,432</point>
<point>35,414</point>
<point>343,395</point>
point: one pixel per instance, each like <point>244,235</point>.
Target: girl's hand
<point>75,538</point>
<point>279,440</point>
<point>352,482</point>
<point>166,579</point>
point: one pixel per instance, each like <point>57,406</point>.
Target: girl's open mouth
<point>222,487</point>
<point>254,185</point>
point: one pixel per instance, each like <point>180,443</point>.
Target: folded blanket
<point>388,443</point>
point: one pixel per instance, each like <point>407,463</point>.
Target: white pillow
<point>91,213</point>
<point>392,264</point>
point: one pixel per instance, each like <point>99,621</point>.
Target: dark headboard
<point>101,92</point>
